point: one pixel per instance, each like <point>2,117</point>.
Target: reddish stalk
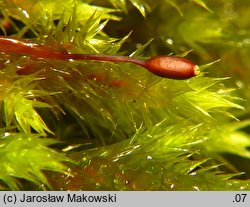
<point>163,66</point>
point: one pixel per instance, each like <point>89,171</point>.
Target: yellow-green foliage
<point>26,156</point>
<point>125,128</point>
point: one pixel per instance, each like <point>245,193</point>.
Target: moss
<point>109,126</point>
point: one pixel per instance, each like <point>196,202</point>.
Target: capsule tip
<point>196,70</point>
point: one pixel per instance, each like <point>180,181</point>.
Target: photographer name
<point>69,198</point>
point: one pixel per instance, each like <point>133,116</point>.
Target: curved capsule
<point>171,67</point>
<point>163,66</point>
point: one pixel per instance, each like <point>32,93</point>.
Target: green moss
<point>26,156</point>
<point>125,128</point>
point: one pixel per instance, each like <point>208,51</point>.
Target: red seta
<point>163,66</point>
